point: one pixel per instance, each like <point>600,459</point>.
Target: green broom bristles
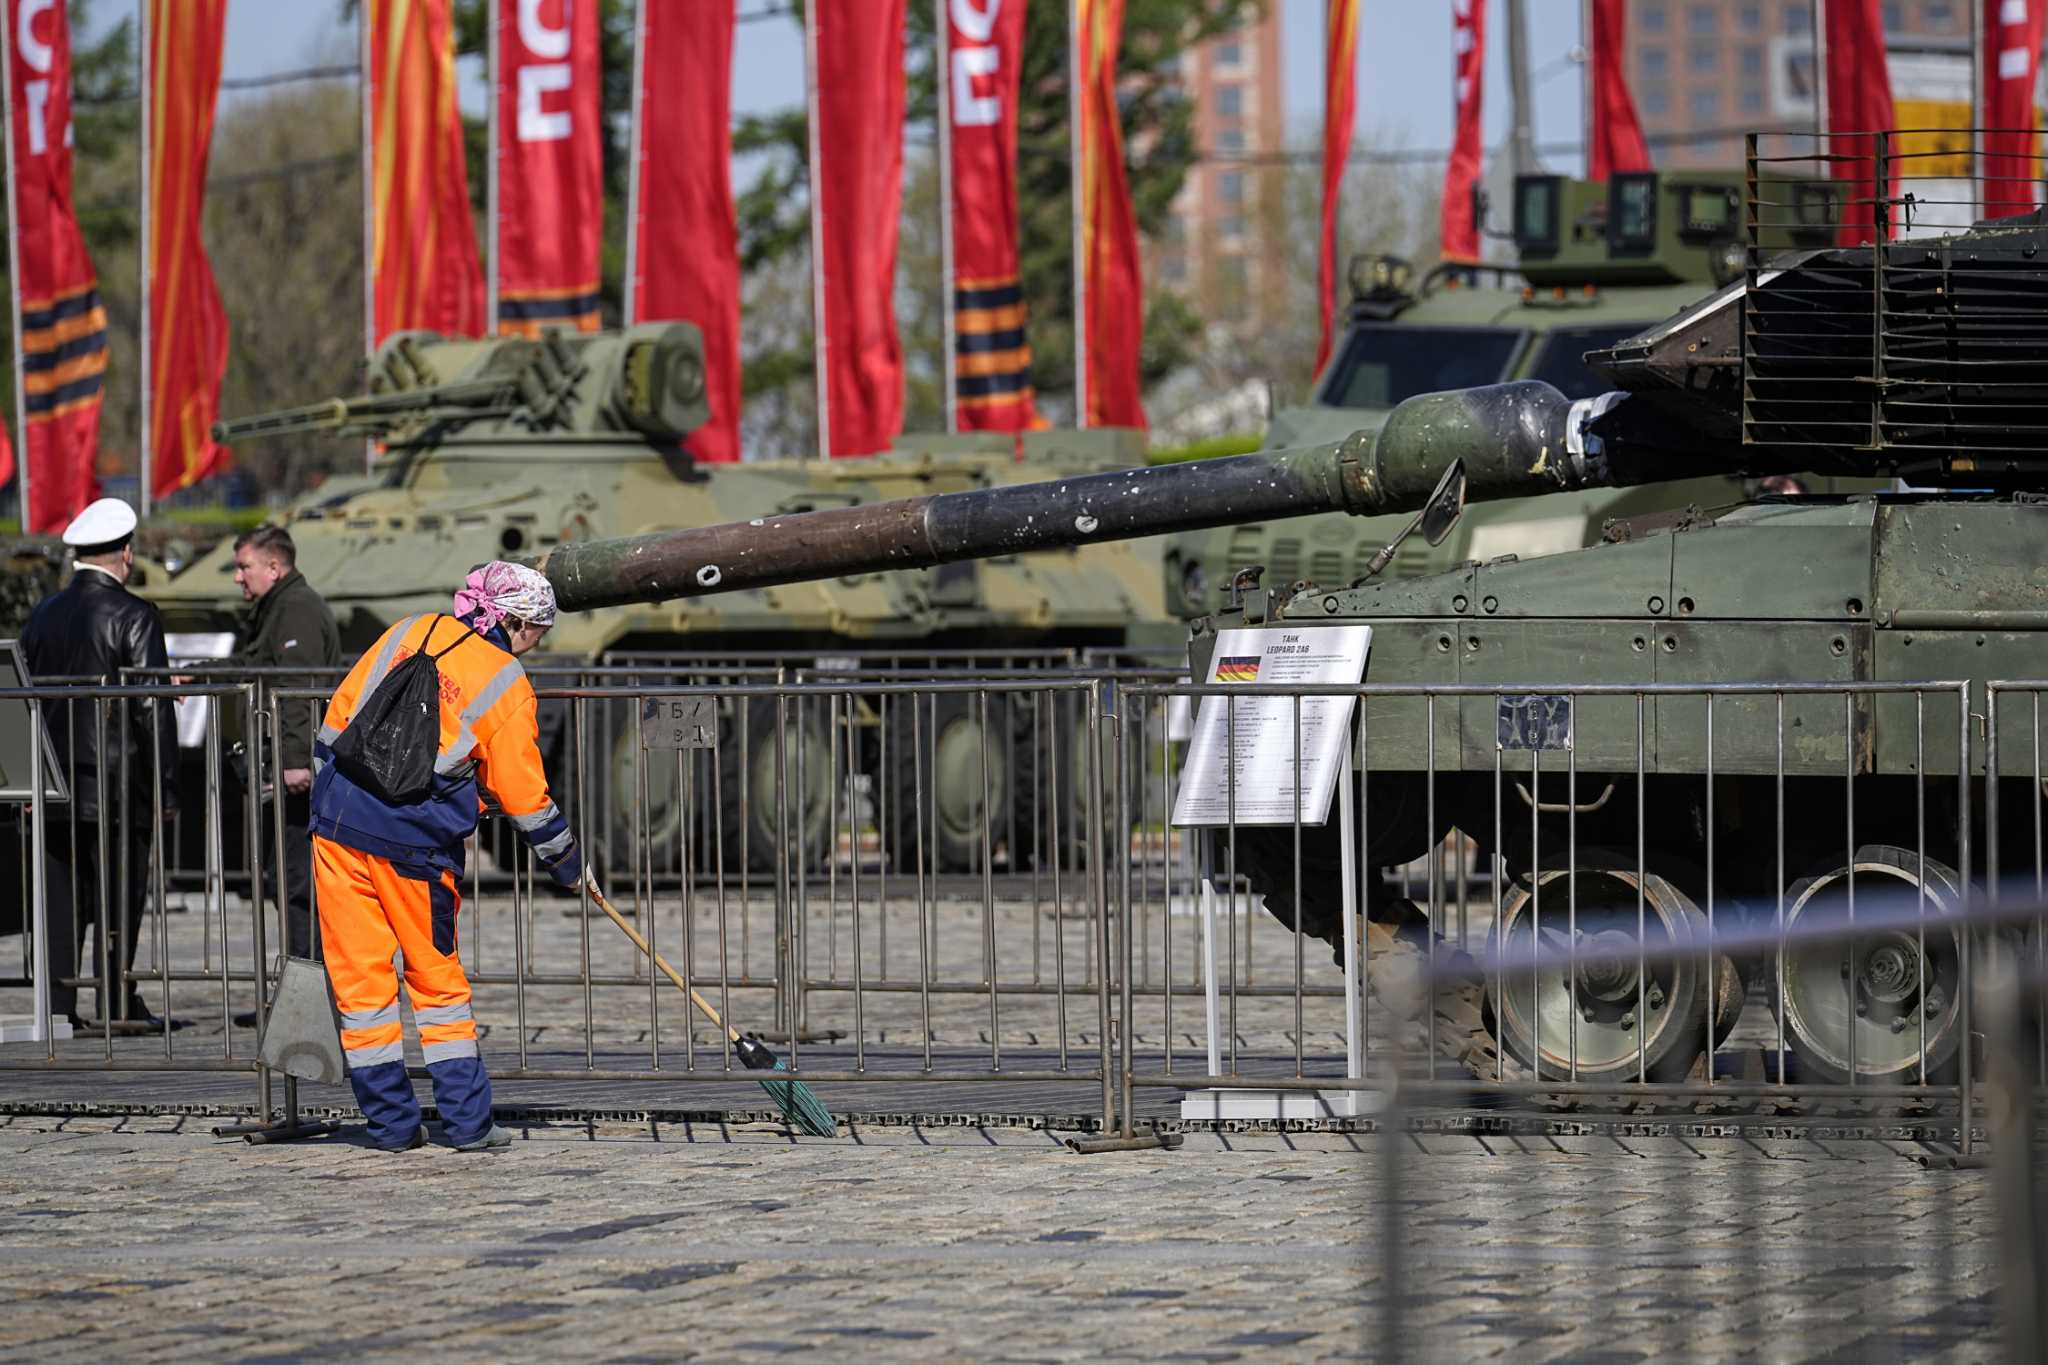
<point>798,1102</point>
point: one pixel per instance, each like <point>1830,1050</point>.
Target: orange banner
<point>981,67</point>
<point>857,179</point>
<point>1458,227</point>
<point>550,160</point>
<point>1113,291</point>
<point>423,237</point>
<point>686,259</point>
<point>188,328</point>
<point>61,327</point>
<point>1340,111</point>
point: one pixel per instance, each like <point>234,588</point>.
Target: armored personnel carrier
<point>512,447</point>
<point>1916,360</point>
<point>1596,262</point>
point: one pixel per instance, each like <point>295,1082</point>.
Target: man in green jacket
<point>289,626</point>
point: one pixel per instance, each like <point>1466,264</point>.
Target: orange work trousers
<point>370,910</point>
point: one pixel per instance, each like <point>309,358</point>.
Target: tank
<point>513,447</point>
<point>1595,262</point>
<point>1914,363</point>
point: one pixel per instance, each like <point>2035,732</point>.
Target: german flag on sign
<point>1237,670</point>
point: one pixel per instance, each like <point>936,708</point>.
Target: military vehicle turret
<point>512,447</point>
<point>1919,361</point>
<point>1594,262</point>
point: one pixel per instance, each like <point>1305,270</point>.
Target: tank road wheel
<point>748,803</point>
<point>1880,986</point>
<point>1624,1020</point>
<point>948,774</point>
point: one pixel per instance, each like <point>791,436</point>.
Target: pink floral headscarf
<point>499,590</point>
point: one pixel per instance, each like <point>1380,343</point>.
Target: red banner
<point>686,262</point>
<point>856,189</point>
<point>2012,60</point>
<point>423,248</point>
<point>188,327</point>
<point>1859,101</point>
<point>1114,290</point>
<point>1340,111</point>
<point>1617,141</point>
<point>984,58</point>
<point>550,164</point>
<point>61,327</point>
<point>1460,226</point>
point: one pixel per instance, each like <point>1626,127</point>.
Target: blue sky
<point>1404,53</point>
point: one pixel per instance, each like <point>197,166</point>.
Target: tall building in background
<point>1223,246</point>
<point>1706,71</point>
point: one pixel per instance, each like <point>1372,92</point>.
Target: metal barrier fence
<point>838,903</point>
<point>1680,897</point>
<point>1739,826</point>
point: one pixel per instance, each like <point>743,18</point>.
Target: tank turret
<point>647,380</point>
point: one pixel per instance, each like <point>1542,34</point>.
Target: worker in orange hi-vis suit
<point>387,876</point>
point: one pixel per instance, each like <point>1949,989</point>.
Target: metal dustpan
<point>302,1036</point>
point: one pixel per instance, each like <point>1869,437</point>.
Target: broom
<point>797,1101</point>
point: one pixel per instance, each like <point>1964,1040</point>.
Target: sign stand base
<point>21,1028</point>
<point>1217,1105</point>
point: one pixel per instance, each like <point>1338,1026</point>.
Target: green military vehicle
<point>1830,808</point>
<point>504,448</point>
<point>1597,262</point>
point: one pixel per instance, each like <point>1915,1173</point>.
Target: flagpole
<point>14,274</point>
<point>1586,80</point>
<point>948,290</point>
<point>631,291</point>
<point>1978,108</point>
<point>369,211</point>
<point>147,221</point>
<point>1820,76</point>
<point>821,345</point>
<point>1079,194</point>
<point>493,78</point>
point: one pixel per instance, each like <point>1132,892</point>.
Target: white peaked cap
<point>102,523</point>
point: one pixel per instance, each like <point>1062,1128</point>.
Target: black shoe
<point>246,1019</point>
<point>140,1020</point>
<point>411,1144</point>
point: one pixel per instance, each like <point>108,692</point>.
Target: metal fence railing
<point>1660,894</point>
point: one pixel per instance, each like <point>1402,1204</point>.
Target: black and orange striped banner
<point>984,60</point>
<point>188,327</point>
<point>62,325</point>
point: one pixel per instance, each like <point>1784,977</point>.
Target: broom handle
<point>638,942</point>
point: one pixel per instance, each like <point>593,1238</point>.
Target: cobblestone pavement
<point>150,1239</point>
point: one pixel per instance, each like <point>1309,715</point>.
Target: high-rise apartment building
<point>1220,247</point>
<point>1706,71</point>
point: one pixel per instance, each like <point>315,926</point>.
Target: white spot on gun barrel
<point>708,576</point>
<point>1085,524</point>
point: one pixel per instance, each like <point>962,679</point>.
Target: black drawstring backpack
<point>389,746</point>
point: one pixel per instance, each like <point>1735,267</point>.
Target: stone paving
<point>149,1239</point>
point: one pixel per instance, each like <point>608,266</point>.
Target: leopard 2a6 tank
<point>1852,640</point>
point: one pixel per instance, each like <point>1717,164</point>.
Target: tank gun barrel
<point>369,416</point>
<point>1512,437</point>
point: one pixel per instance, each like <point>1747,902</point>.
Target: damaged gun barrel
<point>1512,438</point>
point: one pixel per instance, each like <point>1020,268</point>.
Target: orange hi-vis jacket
<point>489,743</point>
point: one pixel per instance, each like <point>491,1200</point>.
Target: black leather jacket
<point>94,627</point>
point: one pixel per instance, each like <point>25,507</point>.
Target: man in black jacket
<point>288,627</point>
<point>94,627</point>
